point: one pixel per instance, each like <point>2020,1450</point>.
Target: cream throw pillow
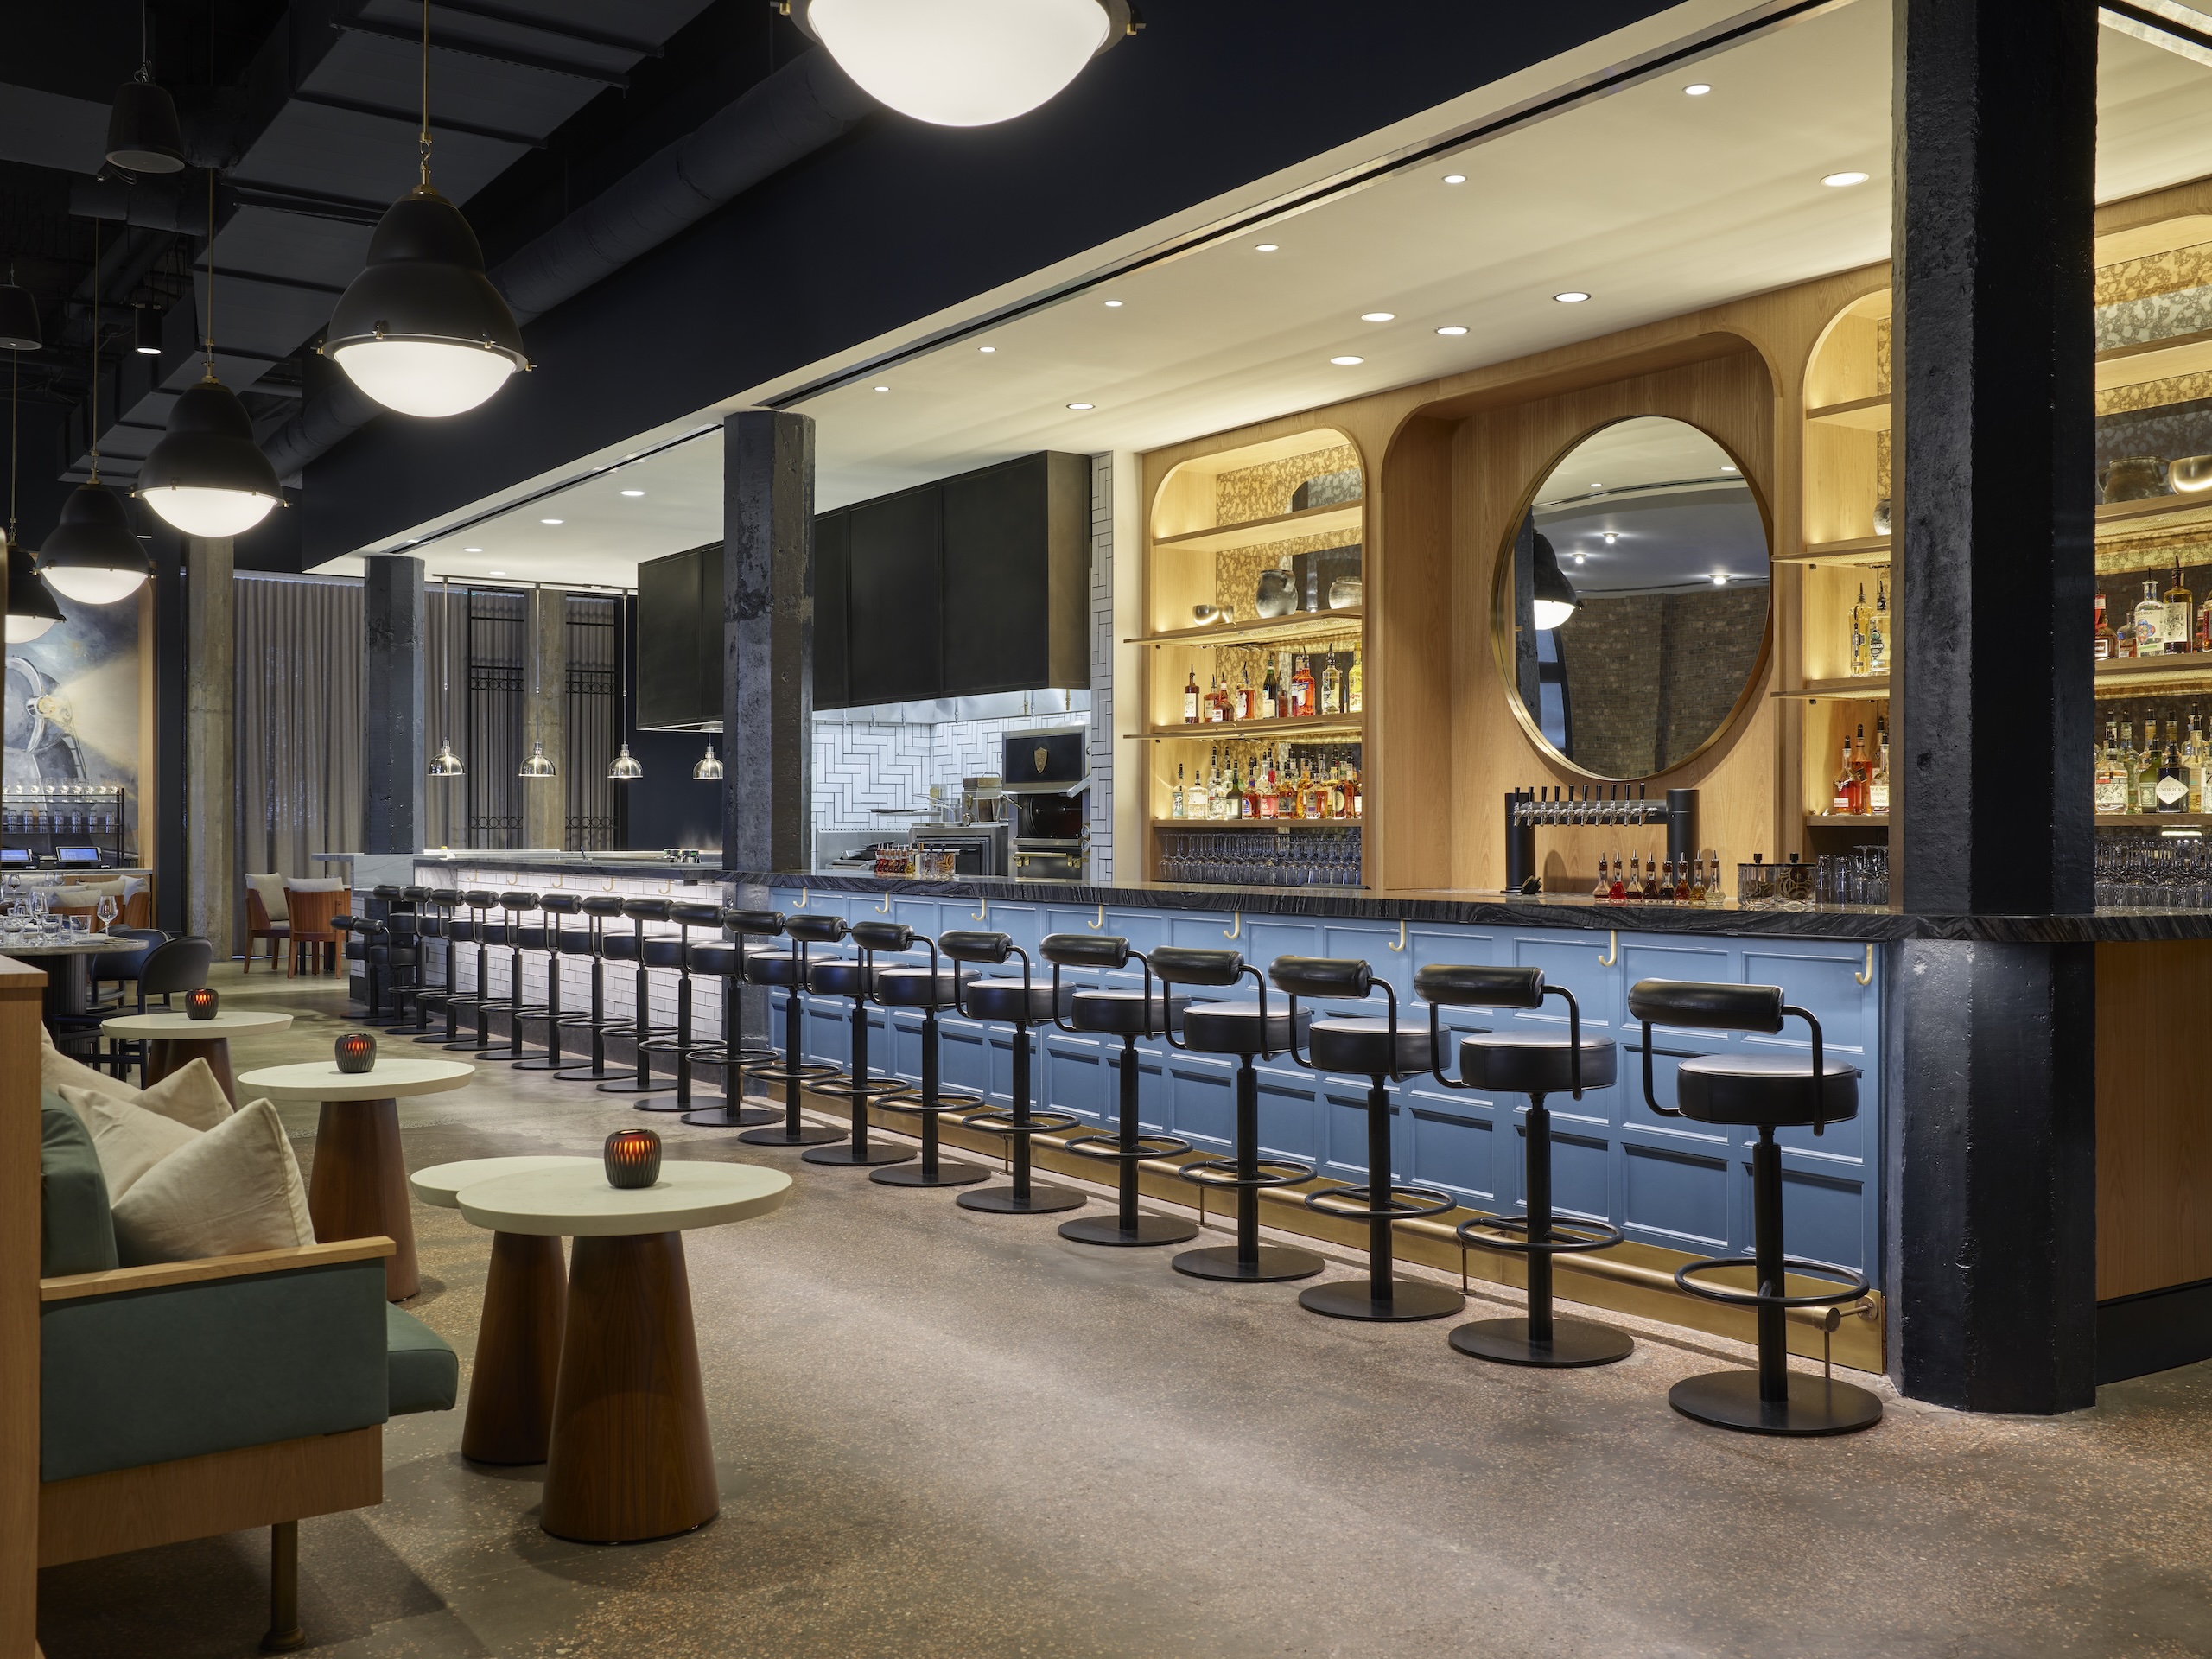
<point>128,1140</point>
<point>235,1189</point>
<point>190,1096</point>
<point>56,1068</point>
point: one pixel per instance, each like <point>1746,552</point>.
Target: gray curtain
<point>298,644</point>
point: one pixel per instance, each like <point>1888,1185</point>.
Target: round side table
<point>174,1040</point>
<point>358,1189</point>
<point>519,1337</point>
<point>631,1458</point>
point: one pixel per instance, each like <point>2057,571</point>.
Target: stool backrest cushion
<point>1084,950</point>
<point>1707,1006</point>
<point>560,904</point>
<point>270,889</point>
<point>516,900</point>
<point>815,930</point>
<point>1181,965</point>
<point>883,936</point>
<point>694,915</point>
<point>176,965</point>
<point>386,891</point>
<point>645,910</point>
<point>1474,987</point>
<point>763,923</point>
<point>480,899</point>
<point>603,904</point>
<point>971,944</point>
<point>1322,975</point>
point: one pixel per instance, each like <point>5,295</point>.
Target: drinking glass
<point>107,910</point>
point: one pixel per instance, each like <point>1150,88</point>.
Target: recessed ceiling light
<point>1455,178</point>
<point>1611,536</point>
<point>633,491</point>
<point>1581,557</point>
<point>1727,467</point>
<point>1082,405</point>
<point>472,550</point>
<point>498,573</point>
<point>1347,362</point>
<point>1378,316</point>
<point>1721,578</point>
<point>987,350</point>
<point>1844,181</point>
<point>1267,247</point>
<point>552,521</point>
<point>1113,305</point>
<point>1696,89</point>
<point>1452,329</point>
<point>883,388</point>
<point>1572,297</point>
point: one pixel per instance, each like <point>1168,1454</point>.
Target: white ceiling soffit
<point>1653,201</point>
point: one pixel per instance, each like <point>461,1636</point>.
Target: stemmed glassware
<point>105,910</point>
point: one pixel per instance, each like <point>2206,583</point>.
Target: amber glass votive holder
<point>357,1052</point>
<point>200,1004</point>
<point>632,1158</point>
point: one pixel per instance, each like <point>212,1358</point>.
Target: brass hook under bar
<point>1095,925</point>
<point>1867,978</point>
<point>1400,945</point>
<point>883,907</point>
<point>1235,928</point>
<point>1613,948</point>
<point>984,914</point>
<point>804,895</point>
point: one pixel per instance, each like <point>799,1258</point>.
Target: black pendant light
<point>624,768</point>
<point>19,329</point>
<point>421,330</point>
<point>93,556</point>
<point>1554,597</point>
<point>540,763</point>
<point>31,606</point>
<point>143,135</point>
<point>207,476</point>
<point>145,330</point>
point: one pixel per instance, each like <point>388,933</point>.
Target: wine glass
<point>105,910</point>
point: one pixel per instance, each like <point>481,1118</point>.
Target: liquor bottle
<point>1285,693</point>
<point>1697,880</point>
<point>1301,689</point>
<point>1190,698</point>
<point>1356,684</point>
<point>2151,622</point>
<point>1195,804</point>
<point>1249,807</point>
<point>2108,641</point>
<point>1683,882</point>
<point>1270,695</point>
<point>1635,879</point>
<point>2192,759</point>
<point>1268,803</point>
<point>1843,802</point>
<point>2171,790</point>
<point>1604,887</point>
<point>1289,797</point>
<point>1862,764</point>
<point>1618,892</point>
<point>1878,629</point>
<point>1176,798</point>
<point>1355,793</point>
<point>2112,772</point>
<point>2181,616</point>
<point>2130,763</point>
<point>1859,614</point>
<point>1878,786</point>
<point>1332,689</point>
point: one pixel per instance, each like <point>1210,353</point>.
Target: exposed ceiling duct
<point>788,116</point>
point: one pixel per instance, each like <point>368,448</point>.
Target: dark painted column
<point>1990,1048</point>
<point>393,759</point>
<point>767,652</point>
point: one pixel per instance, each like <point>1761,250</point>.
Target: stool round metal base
<point>1816,1405</point>
<point>1107,1230</point>
<point>842,1087</point>
<point>1043,1200</point>
<point>584,1071</point>
<point>1410,1299</point>
<point>808,1134</point>
<point>1276,1263</point>
<point>844,1157</point>
<point>630,1084</point>
<point>548,1061</point>
<point>732,1117</point>
<point>1574,1342</point>
<point>913,1175</point>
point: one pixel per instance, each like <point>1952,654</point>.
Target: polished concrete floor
<point>942,1433</point>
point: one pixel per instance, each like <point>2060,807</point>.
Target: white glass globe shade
<point>430,377</point>
<point>89,585</point>
<point>1550,613</point>
<point>21,629</point>
<point>961,63</point>
<point>210,514</point>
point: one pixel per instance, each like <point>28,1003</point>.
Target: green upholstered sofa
<point>191,1398</point>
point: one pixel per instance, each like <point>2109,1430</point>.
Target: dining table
<point>67,956</point>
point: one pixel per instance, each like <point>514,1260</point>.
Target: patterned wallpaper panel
<point>1263,492</point>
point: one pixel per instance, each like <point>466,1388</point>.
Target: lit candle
<point>200,1004</point>
<point>632,1158</point>
<point>357,1051</point>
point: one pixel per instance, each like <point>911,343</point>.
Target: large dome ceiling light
<point>207,476</point>
<point>31,607</point>
<point>93,556</point>
<point>1554,598</point>
<point>421,330</point>
<point>964,63</point>
<point>143,135</point>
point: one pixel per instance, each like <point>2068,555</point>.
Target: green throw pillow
<point>76,1231</point>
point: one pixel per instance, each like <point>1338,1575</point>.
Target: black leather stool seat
<point>1008,1000</point>
<point>532,938</point>
<point>1122,1013</point>
<point>496,933</point>
<point>460,930</point>
<point>663,950</point>
<point>575,941</point>
<point>914,987</point>
<point>839,977</point>
<point>1524,1063</point>
<point>618,947</point>
<point>1766,1091</point>
<point>772,968</point>
<point>722,960</point>
<point>398,956</point>
<point>1234,1027</point>
<point>1362,1047</point>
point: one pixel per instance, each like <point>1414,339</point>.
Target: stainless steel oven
<point>977,849</point>
<point>1046,779</point>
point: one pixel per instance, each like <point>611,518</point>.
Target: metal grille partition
<point>595,805</point>
<point>496,623</point>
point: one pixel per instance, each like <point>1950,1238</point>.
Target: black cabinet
<point>833,535</point>
<point>894,606</point>
<point>680,618</point>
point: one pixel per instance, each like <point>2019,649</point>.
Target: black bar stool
<point>601,945</point>
<point>854,978</point>
<point>1766,1092</point>
<point>928,989</point>
<point>732,1052</point>
<point>436,907</point>
<point>428,926</point>
<point>788,973</point>
<point>391,970</point>
<point>649,952</point>
<point>1127,1014</point>
<point>558,908</point>
<point>1383,1052</point>
<point>475,1003</point>
<point>511,932</point>
<point>679,953</point>
<point>1249,1031</point>
<point>1526,1062</point>
<point>1020,1004</point>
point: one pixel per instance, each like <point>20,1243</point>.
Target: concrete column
<point>392,756</point>
<point>545,717</point>
<point>768,656</point>
<point>211,874</point>
<point>1990,1048</point>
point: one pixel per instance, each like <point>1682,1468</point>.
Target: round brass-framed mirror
<point>1632,609</point>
